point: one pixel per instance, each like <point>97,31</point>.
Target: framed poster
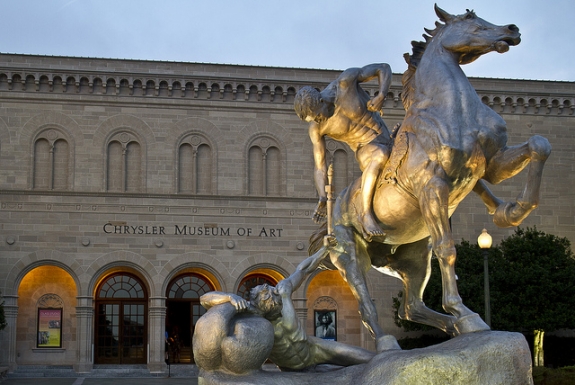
<point>49,328</point>
<point>325,324</point>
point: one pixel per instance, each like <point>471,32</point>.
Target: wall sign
<point>49,328</point>
<point>325,324</point>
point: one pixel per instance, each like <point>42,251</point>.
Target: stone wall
<point>161,168</point>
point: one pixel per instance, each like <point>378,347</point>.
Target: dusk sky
<point>323,34</point>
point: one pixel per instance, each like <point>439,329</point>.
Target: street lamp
<point>484,241</point>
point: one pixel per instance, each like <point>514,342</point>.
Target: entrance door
<point>121,321</point>
<point>183,312</point>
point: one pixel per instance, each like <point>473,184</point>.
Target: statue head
<point>307,102</point>
<point>266,301</point>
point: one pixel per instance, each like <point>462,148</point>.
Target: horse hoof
<point>503,216</point>
<point>470,324</point>
<point>386,343</point>
<point>540,147</point>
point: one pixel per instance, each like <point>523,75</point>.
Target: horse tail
<point>316,239</point>
<point>316,243</point>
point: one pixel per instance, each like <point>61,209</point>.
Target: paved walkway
<point>101,381</point>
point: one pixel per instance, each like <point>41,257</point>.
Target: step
<point>102,371</point>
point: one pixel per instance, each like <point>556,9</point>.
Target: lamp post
<point>484,241</point>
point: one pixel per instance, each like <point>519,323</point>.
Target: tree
<point>532,285</point>
<point>469,269</point>
<point>535,282</point>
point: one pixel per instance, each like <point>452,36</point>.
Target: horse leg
<point>352,269</point>
<point>434,208</point>
<point>412,262</point>
<point>507,163</point>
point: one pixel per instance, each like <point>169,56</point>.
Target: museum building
<point>130,188</point>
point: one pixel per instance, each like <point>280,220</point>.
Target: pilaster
<point>8,335</point>
<point>156,342</point>
<point>84,330</point>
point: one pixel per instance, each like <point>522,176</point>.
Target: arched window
<point>189,286</point>
<point>184,310</point>
<point>264,168</point>
<point>124,163</point>
<point>195,166</point>
<point>121,286</point>
<point>253,280</point>
<point>51,168</point>
<point>121,320</point>
<point>340,180</point>
<point>338,155</point>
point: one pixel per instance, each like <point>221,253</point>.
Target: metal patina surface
<point>449,145</point>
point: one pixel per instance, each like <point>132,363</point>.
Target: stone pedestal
<point>470,359</point>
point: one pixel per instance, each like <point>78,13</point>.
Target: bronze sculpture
<point>448,145</point>
<point>345,112</point>
<point>233,328</point>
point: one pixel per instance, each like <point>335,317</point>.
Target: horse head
<point>469,36</point>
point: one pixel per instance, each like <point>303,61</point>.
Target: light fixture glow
<point>484,240</point>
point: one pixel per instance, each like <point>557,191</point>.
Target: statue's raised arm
<point>343,111</point>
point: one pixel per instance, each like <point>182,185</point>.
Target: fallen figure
<point>237,336</point>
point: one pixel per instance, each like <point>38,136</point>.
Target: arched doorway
<point>121,320</point>
<point>183,311</point>
<point>41,290</point>
<point>252,280</point>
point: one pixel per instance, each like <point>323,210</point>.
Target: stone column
<point>8,335</point>
<point>84,334</point>
<point>157,327</point>
<point>300,305</point>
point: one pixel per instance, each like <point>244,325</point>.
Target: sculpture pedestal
<point>476,358</point>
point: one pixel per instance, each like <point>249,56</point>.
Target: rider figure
<point>345,112</point>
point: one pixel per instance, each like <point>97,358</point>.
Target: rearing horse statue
<point>448,145</point>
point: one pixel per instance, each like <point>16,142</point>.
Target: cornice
<point>148,81</point>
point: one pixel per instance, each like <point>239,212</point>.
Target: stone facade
<point>158,172</point>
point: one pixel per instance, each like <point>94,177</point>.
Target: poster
<point>49,328</point>
<point>325,324</point>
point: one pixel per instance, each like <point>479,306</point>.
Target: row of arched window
<point>125,164</point>
<point>53,164</point>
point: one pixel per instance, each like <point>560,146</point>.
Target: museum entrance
<point>121,321</point>
<point>183,311</point>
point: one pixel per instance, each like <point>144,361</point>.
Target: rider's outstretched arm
<point>320,170</point>
<point>383,73</point>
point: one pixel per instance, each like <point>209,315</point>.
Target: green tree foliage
<point>469,270</point>
<point>535,282</point>
<point>532,283</point>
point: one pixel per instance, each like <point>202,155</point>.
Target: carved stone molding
<point>325,303</point>
<point>50,300</point>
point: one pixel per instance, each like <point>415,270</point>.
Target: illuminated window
<point>251,281</point>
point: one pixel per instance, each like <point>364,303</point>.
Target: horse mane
<point>418,49</point>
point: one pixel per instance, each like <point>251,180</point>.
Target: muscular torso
<point>352,122</point>
<point>291,349</point>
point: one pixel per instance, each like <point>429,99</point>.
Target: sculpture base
<point>490,357</point>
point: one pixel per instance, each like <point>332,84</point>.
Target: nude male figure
<point>292,348</point>
<point>344,112</point>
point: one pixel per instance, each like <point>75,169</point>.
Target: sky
<point>324,34</point>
